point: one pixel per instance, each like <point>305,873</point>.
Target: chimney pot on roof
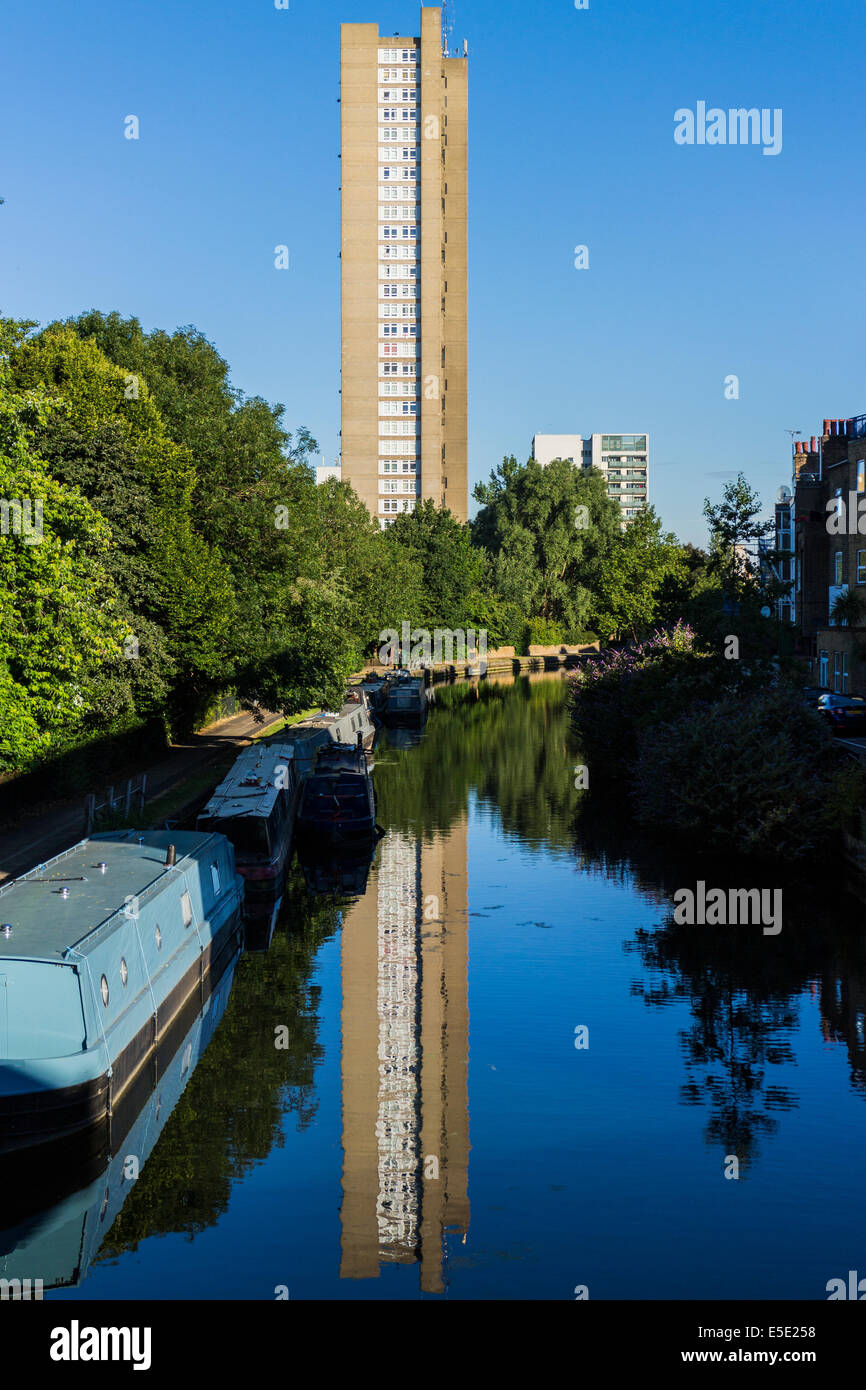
<point>826,426</point>
<point>813,446</point>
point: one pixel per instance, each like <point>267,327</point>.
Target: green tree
<point>58,603</point>
<point>253,499</point>
<point>453,572</point>
<point>639,565</point>
<point>734,535</point>
<point>549,531</point>
<point>849,608</point>
<point>107,438</point>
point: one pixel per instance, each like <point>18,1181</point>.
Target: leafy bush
<point>543,632</point>
<point>755,773</point>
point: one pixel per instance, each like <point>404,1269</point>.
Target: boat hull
<point>81,1023</point>
<point>49,1119</point>
<point>35,1125</point>
<point>264,880</point>
<point>337,833</point>
<point>55,1217</point>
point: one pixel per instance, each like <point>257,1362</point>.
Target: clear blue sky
<point>704,261</point>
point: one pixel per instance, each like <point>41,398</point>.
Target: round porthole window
<point>103,987</point>
<point>124,973</point>
<point>158,935</point>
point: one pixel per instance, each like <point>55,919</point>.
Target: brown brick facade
<point>830,545</point>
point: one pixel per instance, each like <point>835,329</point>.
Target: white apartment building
<point>623,458</point>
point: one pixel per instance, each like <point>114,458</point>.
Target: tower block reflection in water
<point>405,1030</point>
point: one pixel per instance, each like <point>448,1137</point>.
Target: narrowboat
<point>344,757</point>
<point>337,802</point>
<point>53,1229</point>
<point>376,689</point>
<point>337,726</point>
<point>255,807</point>
<point>101,948</point>
<point>406,704</point>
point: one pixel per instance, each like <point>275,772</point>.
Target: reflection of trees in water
<point>741,1026</point>
<point>744,990</point>
<point>231,1114</point>
<point>511,744</point>
<point>842,993</point>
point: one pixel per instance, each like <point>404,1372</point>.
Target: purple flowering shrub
<point>615,696</point>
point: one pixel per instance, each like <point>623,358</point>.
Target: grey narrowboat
<point>335,726</point>
<point>101,948</point>
<point>406,704</point>
<point>337,804</point>
<point>255,806</point>
<point>376,687</point>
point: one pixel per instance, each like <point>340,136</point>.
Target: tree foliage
<point>59,606</point>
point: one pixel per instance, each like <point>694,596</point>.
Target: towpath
<point>50,830</point>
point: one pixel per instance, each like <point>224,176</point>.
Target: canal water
<point>488,1065</point>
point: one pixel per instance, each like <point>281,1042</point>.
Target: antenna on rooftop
<point>447,26</point>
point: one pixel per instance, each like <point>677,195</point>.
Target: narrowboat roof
<point>303,733</point>
<point>252,785</point>
<point>409,687</point>
<point>326,717</point>
<point>45,924</point>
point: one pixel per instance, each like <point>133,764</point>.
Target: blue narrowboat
<point>101,948</point>
<point>51,1232</point>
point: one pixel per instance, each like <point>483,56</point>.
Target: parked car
<point>812,694</point>
<point>846,714</point>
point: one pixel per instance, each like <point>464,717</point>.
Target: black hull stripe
<point>48,1116</point>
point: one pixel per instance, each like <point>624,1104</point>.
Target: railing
<point>31,874</point>
<point>133,792</point>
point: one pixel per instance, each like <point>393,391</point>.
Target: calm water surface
<point>431,1130</point>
